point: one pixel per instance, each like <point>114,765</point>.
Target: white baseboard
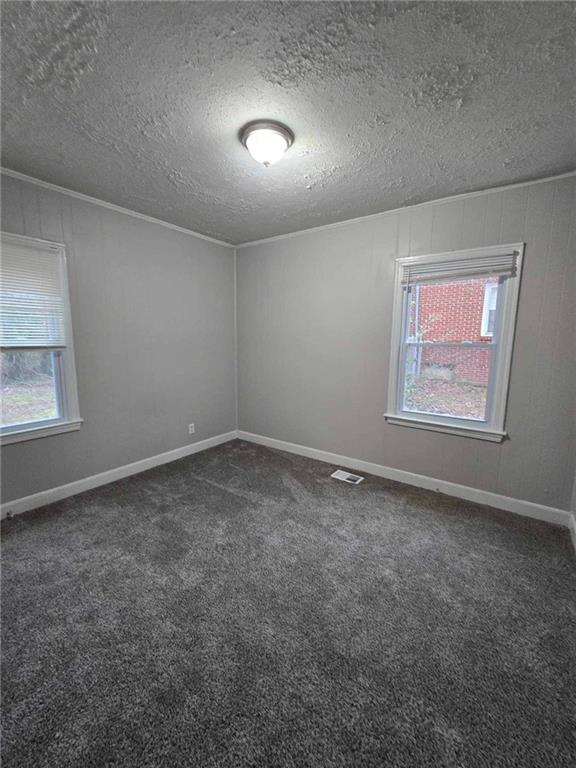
<point>518,506</point>
<point>103,478</point>
<point>572,527</point>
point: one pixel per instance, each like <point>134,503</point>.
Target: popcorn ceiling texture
<point>392,104</point>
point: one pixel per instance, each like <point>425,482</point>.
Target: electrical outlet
<point>191,429</point>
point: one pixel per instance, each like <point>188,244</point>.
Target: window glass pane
<point>490,321</point>
<point>450,311</point>
<point>448,354</point>
<point>29,387</point>
<point>447,380</point>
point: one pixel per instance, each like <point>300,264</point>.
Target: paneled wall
<point>153,325</point>
<point>314,314</point>
<point>153,317</point>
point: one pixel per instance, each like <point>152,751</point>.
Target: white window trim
<point>70,420</point>
<point>488,290</point>
<point>35,432</point>
<point>494,430</point>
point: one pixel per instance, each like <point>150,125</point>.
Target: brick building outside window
<point>448,373</point>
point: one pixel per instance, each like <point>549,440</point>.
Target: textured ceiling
<point>140,103</point>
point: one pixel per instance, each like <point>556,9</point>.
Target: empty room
<point>288,367</point>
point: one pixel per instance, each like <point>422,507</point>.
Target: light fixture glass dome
<point>266,141</point>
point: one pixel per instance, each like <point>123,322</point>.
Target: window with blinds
<point>453,331</point>
<point>38,376</point>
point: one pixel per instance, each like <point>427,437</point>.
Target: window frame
<point>493,429</point>
<point>64,361</point>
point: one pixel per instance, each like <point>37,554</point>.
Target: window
<point>489,309</point>
<point>39,396</point>
<point>452,336</point>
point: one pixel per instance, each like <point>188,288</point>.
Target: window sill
<point>34,433</point>
<point>491,435</point>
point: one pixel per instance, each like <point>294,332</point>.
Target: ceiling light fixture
<point>266,140</point>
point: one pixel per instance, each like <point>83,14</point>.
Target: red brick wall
<point>453,312</point>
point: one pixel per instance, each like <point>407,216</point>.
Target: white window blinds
<point>32,294</point>
<point>458,266</point>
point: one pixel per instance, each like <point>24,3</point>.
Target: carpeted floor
<point>240,608</point>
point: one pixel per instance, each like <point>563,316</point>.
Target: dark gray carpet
<point>241,608</point>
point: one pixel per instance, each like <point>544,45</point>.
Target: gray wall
<point>153,324</point>
<point>314,313</point>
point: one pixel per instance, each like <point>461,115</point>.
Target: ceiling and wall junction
<point>392,104</point>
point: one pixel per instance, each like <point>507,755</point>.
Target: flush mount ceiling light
<point>266,140</point>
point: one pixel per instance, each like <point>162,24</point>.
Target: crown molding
<point>334,225</point>
<point>427,203</point>
<point>111,206</point>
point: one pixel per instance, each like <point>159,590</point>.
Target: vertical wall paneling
<point>323,384</point>
<point>153,324</point>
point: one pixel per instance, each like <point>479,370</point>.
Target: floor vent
<point>347,477</point>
